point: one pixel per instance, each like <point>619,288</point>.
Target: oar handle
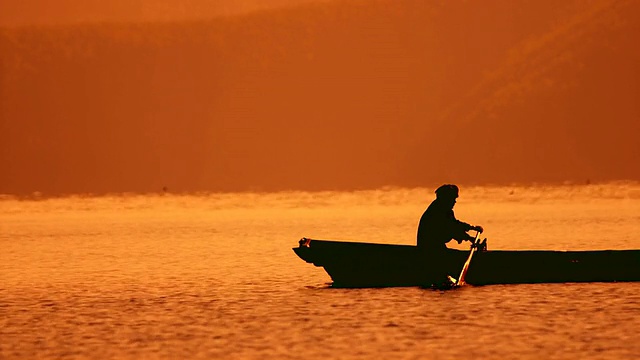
<point>475,240</point>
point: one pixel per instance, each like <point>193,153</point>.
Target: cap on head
<point>447,191</point>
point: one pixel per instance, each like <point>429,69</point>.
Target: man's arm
<point>460,225</point>
<point>461,229</point>
<point>468,227</point>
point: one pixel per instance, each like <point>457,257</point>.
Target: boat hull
<point>352,264</point>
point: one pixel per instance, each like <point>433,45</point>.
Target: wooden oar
<point>465,268</point>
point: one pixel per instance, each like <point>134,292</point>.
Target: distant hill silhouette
<point>333,95</point>
<point>66,12</point>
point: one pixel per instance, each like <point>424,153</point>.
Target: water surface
<point>213,276</point>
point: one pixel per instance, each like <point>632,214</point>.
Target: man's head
<point>447,194</point>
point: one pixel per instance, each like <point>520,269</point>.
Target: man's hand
<point>478,228</point>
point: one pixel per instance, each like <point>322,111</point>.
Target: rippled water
<point>213,276</point>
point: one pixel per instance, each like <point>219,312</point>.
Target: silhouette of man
<point>438,225</point>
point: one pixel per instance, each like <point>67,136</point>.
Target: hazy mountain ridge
<point>326,96</point>
<point>63,12</point>
<point>564,102</point>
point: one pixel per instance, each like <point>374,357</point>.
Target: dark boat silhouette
<point>358,264</point>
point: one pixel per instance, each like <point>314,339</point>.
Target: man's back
<point>438,226</point>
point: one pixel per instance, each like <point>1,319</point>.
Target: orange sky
<point>339,94</point>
